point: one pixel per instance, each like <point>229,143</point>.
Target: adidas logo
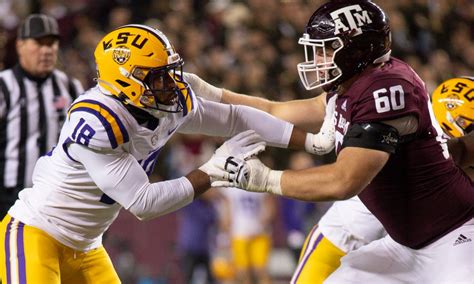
<point>462,239</point>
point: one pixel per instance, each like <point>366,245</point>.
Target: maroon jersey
<point>420,194</point>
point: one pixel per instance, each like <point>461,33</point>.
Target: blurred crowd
<point>247,46</point>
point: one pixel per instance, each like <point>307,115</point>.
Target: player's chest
<point>146,142</point>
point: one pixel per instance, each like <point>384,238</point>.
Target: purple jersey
<point>420,195</point>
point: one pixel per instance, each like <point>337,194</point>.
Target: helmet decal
<point>452,102</point>
<point>121,54</point>
<point>354,16</point>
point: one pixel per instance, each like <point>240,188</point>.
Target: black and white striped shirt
<point>31,114</point>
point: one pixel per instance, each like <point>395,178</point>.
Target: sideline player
<point>391,152</point>
<point>108,144</point>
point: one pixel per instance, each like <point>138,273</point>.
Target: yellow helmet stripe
<point>189,100</point>
<point>114,127</point>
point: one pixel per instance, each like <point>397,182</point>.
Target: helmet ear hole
<point>122,83</point>
<point>335,44</point>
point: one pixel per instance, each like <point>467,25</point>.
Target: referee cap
<point>38,25</point>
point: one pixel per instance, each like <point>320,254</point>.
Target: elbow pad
<point>372,135</point>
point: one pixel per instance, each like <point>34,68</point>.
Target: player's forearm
<point>306,114</point>
<point>348,176</point>
<point>318,184</point>
<point>167,196</point>
<point>200,182</point>
<point>230,97</point>
<point>297,139</point>
<point>274,131</point>
<point>216,119</point>
<point>161,198</point>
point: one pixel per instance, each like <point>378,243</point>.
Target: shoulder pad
<point>96,125</point>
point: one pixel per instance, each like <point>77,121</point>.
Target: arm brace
<point>372,135</point>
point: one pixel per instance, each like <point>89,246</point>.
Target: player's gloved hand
<point>239,148</point>
<point>323,142</point>
<point>244,145</point>
<point>203,88</point>
<point>251,175</point>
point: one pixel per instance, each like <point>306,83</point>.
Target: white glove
<point>240,147</point>
<point>251,175</point>
<point>323,142</point>
<point>203,88</point>
<point>244,145</point>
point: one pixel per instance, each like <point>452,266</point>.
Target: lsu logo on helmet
<point>453,106</point>
<point>121,54</point>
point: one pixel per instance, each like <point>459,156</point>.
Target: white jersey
<point>349,225</point>
<point>246,210</point>
<point>99,165</point>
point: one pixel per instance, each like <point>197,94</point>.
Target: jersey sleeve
<point>122,179</point>
<point>217,119</point>
<point>387,99</point>
<point>97,126</point>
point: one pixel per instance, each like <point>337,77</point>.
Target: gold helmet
<point>453,106</point>
<point>138,65</point>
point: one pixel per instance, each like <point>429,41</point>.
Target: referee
<point>34,97</point>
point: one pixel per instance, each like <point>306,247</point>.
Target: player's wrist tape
<point>274,182</point>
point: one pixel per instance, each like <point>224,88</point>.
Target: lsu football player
<point>453,106</point>
<point>107,146</point>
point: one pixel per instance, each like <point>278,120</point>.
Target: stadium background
<point>246,46</point>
